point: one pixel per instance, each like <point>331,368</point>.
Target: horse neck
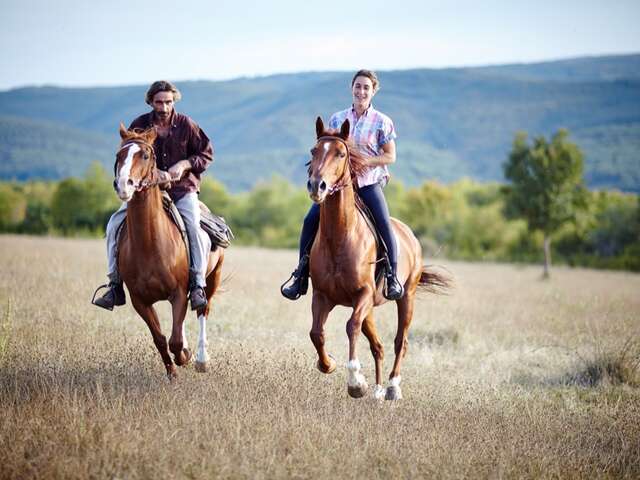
<point>145,218</point>
<point>338,215</point>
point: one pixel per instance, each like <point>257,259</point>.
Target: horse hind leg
<point>149,315</point>
<point>369,330</point>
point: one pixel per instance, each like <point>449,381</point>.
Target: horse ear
<point>319,127</point>
<point>123,131</point>
<point>344,129</point>
<point>150,135</point>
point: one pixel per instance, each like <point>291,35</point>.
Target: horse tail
<point>434,279</point>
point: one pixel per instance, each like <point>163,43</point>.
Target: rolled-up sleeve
<point>200,149</point>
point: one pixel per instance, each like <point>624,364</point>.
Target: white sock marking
<point>354,377</point>
<point>201,355</point>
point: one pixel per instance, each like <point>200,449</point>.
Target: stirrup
<point>298,276</point>
<point>93,299</point>
<point>393,276</point>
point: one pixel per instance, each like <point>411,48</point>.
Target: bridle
<point>144,184</point>
<point>345,178</point>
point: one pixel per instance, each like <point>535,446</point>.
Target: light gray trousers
<point>199,242</point>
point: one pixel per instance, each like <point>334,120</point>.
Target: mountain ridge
<point>451,123</point>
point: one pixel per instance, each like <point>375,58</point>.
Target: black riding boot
<point>114,296</point>
<point>300,283</point>
<point>197,295</point>
<point>394,289</point>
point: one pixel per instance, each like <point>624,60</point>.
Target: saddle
<point>219,232</point>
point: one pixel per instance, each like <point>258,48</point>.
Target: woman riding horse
<point>374,137</point>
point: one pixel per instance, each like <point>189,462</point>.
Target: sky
<point>116,42</point>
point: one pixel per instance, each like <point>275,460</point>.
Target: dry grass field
<point>507,377</point>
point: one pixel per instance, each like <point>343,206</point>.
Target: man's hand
<point>178,170</point>
<point>164,178</point>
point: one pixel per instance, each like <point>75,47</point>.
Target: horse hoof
<point>379,392</point>
<point>358,391</point>
<point>330,369</point>
<point>393,393</point>
<point>188,356</point>
<point>202,367</point>
<point>171,372</point>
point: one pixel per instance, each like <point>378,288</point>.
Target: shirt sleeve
<point>200,149</point>
<point>386,132</point>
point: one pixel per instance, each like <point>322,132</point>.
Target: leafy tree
<point>546,184</point>
<point>12,207</point>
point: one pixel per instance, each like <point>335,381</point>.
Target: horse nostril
<point>129,182</point>
<point>323,186</point>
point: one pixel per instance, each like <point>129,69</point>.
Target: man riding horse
<point>183,152</point>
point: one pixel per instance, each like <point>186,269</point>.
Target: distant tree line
<point>463,220</point>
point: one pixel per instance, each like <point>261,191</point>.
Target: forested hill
<point>450,122</point>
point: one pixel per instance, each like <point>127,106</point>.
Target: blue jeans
<point>373,198</point>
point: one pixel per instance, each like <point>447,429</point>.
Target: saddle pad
<point>215,226</point>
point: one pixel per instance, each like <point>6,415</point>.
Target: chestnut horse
<point>343,263</point>
<point>152,257</point>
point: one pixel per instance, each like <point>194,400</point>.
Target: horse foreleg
<point>356,383</point>
<point>149,315</point>
<point>320,308</point>
<point>369,330</point>
<point>405,315</point>
<point>178,340</point>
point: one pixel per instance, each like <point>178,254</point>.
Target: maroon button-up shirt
<point>185,141</point>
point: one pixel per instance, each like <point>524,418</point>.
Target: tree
<point>547,186</point>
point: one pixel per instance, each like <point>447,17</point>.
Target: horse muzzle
<point>317,189</point>
<point>125,188</point>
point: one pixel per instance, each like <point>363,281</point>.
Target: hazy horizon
<point>77,44</point>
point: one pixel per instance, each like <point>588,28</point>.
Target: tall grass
<point>506,377</point>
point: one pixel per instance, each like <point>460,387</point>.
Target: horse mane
<point>357,161</point>
<point>136,134</point>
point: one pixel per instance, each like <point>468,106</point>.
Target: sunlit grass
<point>507,377</point>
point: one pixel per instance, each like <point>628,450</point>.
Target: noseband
<point>342,182</point>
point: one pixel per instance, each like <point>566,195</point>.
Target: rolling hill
<point>451,123</point>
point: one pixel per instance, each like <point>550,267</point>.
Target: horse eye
<point>146,156</point>
<point>313,151</point>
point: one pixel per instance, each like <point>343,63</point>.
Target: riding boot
<point>198,298</point>
<point>300,283</point>
<point>197,295</point>
<point>114,296</point>
<point>394,289</point>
